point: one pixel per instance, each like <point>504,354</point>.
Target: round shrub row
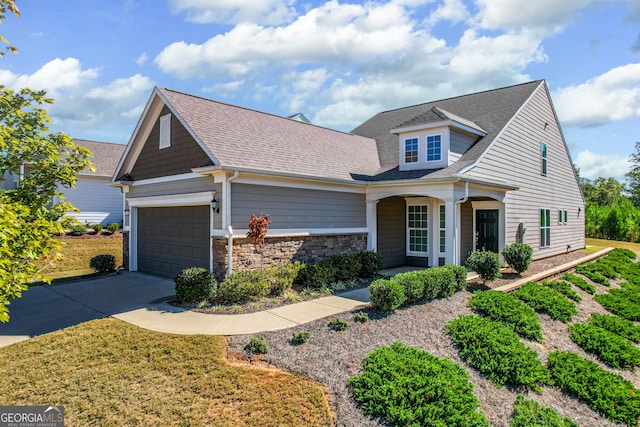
<point>341,268</point>
<point>386,295</point>
<point>195,284</point>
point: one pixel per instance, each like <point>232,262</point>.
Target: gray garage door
<point>170,239</point>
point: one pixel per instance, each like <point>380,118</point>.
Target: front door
<point>487,230</point>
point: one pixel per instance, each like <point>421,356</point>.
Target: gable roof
<point>488,111</point>
<point>244,138</point>
<point>106,156</point>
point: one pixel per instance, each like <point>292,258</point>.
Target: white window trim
<point>540,227</point>
<point>418,201</point>
<point>165,131</point>
<point>426,148</point>
<point>566,216</point>
<point>404,151</point>
<point>422,163</point>
<point>544,162</point>
<point>441,229</point>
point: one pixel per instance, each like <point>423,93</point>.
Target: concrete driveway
<point>48,308</point>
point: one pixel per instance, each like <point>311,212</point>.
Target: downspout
<point>229,229</point>
<point>456,251</point>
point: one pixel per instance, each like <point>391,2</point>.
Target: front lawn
<point>595,245</point>
<point>107,372</point>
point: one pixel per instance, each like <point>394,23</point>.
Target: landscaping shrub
<point>281,278</point>
<point>104,263</point>
<point>593,275</point>
<point>338,325</point>
<point>564,288</point>
<point>243,285</point>
<point>97,227</point>
<point>438,282</point>
<point>579,282</point>
<point>604,391</point>
<point>195,284</point>
<point>509,310</point>
<point>258,345</point>
<point>485,263</point>
<point>546,300</point>
<point>527,413</point>
<point>623,327</point>
<point>361,317</point>
<point>370,263</point>
<point>518,256</point>
<point>77,230</point>
<point>611,349</point>
<point>460,275</point>
<point>409,387</point>
<point>113,227</point>
<point>413,284</point>
<point>347,267</point>
<point>496,351</point>
<point>318,275</point>
<point>386,295</point>
<point>300,338</point>
<point>617,302</point>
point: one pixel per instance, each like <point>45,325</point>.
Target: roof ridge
<point>461,96</point>
<point>98,142</point>
<point>262,112</point>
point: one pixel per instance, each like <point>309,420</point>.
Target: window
<point>563,216</point>
<point>165,131</point>
<point>411,150</point>
<point>434,148</point>
<point>543,158</point>
<point>566,216</point>
<point>545,228</point>
<point>417,225</point>
<point>560,216</point>
<point>443,224</point>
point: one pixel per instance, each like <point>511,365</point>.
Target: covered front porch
<point>436,224</point>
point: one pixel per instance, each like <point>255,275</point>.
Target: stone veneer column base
<point>125,249</point>
<point>279,250</point>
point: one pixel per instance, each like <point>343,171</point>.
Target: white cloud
<point>612,96</point>
<point>594,165</point>
<point>121,88</point>
<point>54,76</point>
<point>266,12</point>
<point>142,59</point>
<point>450,10</point>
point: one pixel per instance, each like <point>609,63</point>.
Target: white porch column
<point>450,235</point>
<point>434,232</point>
<point>372,225</point>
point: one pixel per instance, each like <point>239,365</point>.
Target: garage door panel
<point>173,238</point>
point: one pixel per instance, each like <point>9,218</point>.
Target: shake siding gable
<point>296,208</point>
<point>515,158</point>
<point>183,154</point>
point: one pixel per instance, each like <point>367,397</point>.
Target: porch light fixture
<point>214,205</point>
<point>126,212</point>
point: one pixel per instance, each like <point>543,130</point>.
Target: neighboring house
<point>96,201</point>
<point>423,185</point>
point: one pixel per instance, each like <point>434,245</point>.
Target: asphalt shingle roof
<point>240,137</point>
<point>489,111</point>
<point>106,156</point>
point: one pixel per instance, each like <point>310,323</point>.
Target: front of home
<point>423,185</point>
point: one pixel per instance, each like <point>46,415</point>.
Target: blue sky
<point>337,62</point>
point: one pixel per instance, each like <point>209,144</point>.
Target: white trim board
<point>189,199</point>
<point>293,232</point>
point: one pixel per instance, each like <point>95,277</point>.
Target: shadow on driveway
<point>47,308</point>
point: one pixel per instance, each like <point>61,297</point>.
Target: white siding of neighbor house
<point>514,158</point>
<point>97,202</point>
<point>297,208</point>
<point>9,181</point>
<point>460,143</point>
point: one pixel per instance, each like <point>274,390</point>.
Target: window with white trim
<point>545,228</point>
<point>560,216</point>
<point>543,158</point>
<point>566,216</point>
<point>563,216</point>
<point>411,150</point>
<point>443,224</point>
<point>165,131</point>
<point>418,229</point>
<point>434,148</point>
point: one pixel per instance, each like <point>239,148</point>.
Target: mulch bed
<point>332,357</point>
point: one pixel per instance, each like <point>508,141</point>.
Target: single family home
<point>423,185</point>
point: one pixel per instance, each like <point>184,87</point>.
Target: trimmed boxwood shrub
<point>104,263</point>
<point>546,300</point>
<point>564,288</point>
<point>386,295</point>
<point>370,263</point>
<point>604,391</point>
<point>346,266</point>
<point>611,349</point>
<point>243,285</point>
<point>527,412</point>
<point>438,282</point>
<point>496,351</point>
<point>579,282</point>
<point>409,387</point>
<point>195,284</point>
<point>460,275</point>
<point>316,276</point>
<point>518,256</point>
<point>282,277</point>
<point>509,310</point>
<point>485,263</point>
<point>623,327</point>
<point>413,284</point>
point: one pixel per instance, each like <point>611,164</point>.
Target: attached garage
<point>173,238</point>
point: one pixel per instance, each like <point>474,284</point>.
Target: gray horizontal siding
<point>185,186</point>
<point>460,143</point>
<point>515,158</point>
<point>96,201</point>
<point>291,208</point>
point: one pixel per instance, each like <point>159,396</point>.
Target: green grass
<point>107,372</point>
<point>77,252</point>
<point>595,245</point>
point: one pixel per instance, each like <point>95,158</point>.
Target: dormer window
<point>411,150</point>
<point>434,148</point>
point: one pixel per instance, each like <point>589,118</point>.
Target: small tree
<point>258,225</point>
